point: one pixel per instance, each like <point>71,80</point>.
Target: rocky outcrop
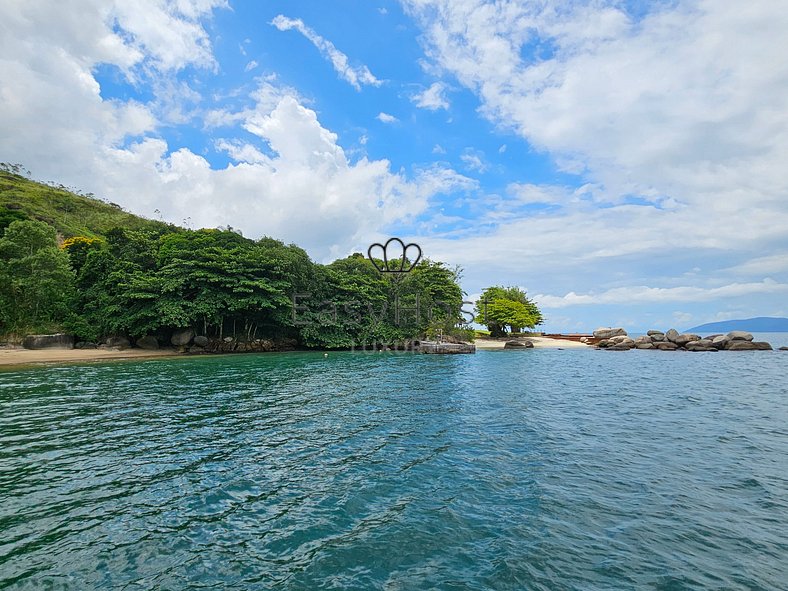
<point>48,341</point>
<point>783,349</point>
<point>672,340</point>
<point>743,345</point>
<point>518,344</point>
<point>607,333</point>
<point>182,337</point>
<point>201,341</point>
<point>433,348</point>
<point>148,342</point>
<point>739,335</point>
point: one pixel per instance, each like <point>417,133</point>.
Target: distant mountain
<point>761,324</point>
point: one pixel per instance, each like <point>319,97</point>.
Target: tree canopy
<point>500,308</point>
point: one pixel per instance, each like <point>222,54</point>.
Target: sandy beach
<point>27,356</point>
<point>539,343</point>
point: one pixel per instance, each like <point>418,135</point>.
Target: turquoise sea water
<point>539,469</point>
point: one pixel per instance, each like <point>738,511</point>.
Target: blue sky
<point>622,161</point>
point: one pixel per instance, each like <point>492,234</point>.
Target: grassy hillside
<point>69,213</point>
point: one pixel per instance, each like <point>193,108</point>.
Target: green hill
<point>71,214</point>
<point>760,324</point>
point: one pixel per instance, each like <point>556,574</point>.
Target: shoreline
<point>11,357</point>
<point>539,343</point>
<point>27,357</point>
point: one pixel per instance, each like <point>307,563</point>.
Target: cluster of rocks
<point>616,339</point>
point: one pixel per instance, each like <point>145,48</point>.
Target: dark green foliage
<point>502,307</point>
<point>117,274</point>
<point>36,280</point>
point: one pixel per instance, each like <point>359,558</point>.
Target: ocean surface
<point>539,469</point>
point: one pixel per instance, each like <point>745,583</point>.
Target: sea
<point>539,469</point>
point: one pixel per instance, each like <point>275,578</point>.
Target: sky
<point>625,162</point>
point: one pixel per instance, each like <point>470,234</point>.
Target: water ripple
<point>542,470</point>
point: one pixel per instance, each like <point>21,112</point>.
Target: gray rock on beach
<point>519,344</point>
<point>742,345</point>
<point>48,341</point>
<point>739,335</point>
<point>607,333</point>
<point>117,343</point>
<point>685,338</point>
<point>671,335</point>
<point>148,342</point>
<point>182,337</point>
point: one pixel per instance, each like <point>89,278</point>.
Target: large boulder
<point>720,341</point>
<point>742,345</point>
<point>201,341</point>
<point>622,339</point>
<point>701,345</point>
<point>117,343</point>
<point>643,340</point>
<point>48,341</point>
<point>620,347</point>
<point>656,335</point>
<point>783,349</point>
<point>739,335</point>
<point>685,338</point>
<point>644,345</point>
<point>182,337</point>
<point>519,344</point>
<point>671,335</point>
<point>148,342</point>
<point>605,343</point>
<point>607,333</point>
<point>666,346</point>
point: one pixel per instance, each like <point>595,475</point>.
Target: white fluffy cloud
<point>432,98</point>
<point>386,118</point>
<point>354,75</point>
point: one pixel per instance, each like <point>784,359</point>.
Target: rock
<point>711,337</point>
<point>783,349</point>
<point>606,333</point>
<point>742,345</point>
<point>619,339</point>
<point>666,346</point>
<point>720,341</point>
<point>671,335</point>
<point>620,347</point>
<point>643,340</point>
<point>228,339</point>
<point>86,345</point>
<point>739,335</point>
<point>644,345</point>
<point>148,342</point>
<point>182,337</point>
<point>685,338</point>
<point>117,342</point>
<point>703,349</point>
<point>519,344</point>
<point>605,343</point>
<point>700,345</point>
<point>48,341</point>
<point>656,335</point>
<point>201,341</point>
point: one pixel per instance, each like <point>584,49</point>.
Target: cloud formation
<point>355,76</point>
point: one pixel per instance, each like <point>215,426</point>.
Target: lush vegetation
<point>70,262</point>
<point>506,308</point>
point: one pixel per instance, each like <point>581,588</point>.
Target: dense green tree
<point>502,307</point>
<point>37,282</point>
